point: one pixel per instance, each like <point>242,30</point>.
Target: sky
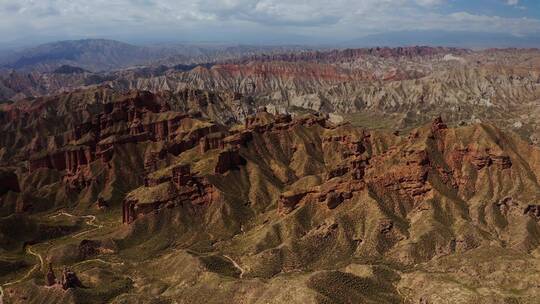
<point>252,21</point>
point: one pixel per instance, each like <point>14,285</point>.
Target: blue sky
<point>322,21</point>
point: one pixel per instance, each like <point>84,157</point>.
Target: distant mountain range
<point>445,38</point>
<point>97,55</point>
<point>105,55</point>
<point>87,54</point>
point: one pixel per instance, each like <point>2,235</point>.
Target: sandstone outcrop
<point>288,201</point>
<point>50,277</point>
<point>228,160</point>
<point>533,211</point>
<point>407,179</point>
<point>182,187</point>
<point>481,158</point>
<point>70,280</point>
<point>239,139</point>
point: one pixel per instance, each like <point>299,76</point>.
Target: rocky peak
<point>228,160</point>
<point>69,279</point>
<point>51,277</point>
<point>438,125</point>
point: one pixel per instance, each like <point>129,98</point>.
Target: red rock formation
<point>198,191</point>
<point>105,154</point>
<point>480,161</point>
<point>239,139</point>
<point>140,112</point>
<point>151,161</point>
<point>228,160</point>
<point>79,180</point>
<point>70,279</point>
<point>50,277</point>
<point>177,147</point>
<point>358,165</point>
<point>337,172</point>
<point>193,138</point>
<point>69,160</point>
<point>353,147</point>
<point>438,125</point>
<point>283,118</point>
<point>211,142</point>
<point>408,179</point>
<point>335,192</point>
<point>184,187</point>
<point>181,175</point>
<point>479,158</point>
<point>128,211</point>
<point>533,211</point>
<point>333,200</point>
<point>503,161</point>
<point>507,205</point>
<point>386,226</point>
<point>332,193</point>
<point>288,201</point>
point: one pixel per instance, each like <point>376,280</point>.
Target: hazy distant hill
<point>444,38</point>
<point>88,54</point>
<point>100,54</point>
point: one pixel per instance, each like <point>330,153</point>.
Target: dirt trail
<point>28,274</point>
<point>91,221</point>
<point>235,265</point>
<point>99,260</point>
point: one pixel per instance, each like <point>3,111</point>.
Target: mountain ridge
<point>104,54</point>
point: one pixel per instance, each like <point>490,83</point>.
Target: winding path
<point>98,260</point>
<point>91,221</point>
<point>235,265</point>
<point>28,274</point>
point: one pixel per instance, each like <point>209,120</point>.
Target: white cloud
<point>496,23</point>
<point>208,19</point>
<point>429,2</point>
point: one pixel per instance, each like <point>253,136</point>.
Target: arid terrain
<point>380,175</point>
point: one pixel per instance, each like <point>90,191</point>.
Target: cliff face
<point>79,144</point>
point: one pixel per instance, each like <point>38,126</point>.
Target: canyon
<point>404,175</point>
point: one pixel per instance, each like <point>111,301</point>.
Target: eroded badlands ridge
<point>407,87</point>
<point>145,197</point>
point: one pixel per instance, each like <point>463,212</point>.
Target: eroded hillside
<point>162,197</point>
<point>405,87</point>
